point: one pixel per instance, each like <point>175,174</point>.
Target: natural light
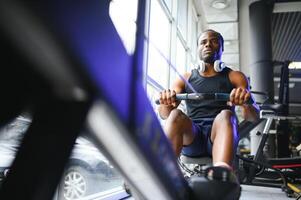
<point>294,65</point>
<point>124,14</point>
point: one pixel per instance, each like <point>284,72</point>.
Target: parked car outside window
<point>87,172</point>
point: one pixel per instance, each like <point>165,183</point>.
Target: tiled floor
<point>262,193</point>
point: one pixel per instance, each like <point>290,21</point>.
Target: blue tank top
<point>220,83</point>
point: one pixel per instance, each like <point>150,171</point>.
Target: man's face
<point>209,47</point>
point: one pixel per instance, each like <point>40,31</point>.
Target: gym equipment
<point>195,167</point>
<point>201,97</point>
<point>204,96</point>
<point>221,180</point>
<point>255,167</point>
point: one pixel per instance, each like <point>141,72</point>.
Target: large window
<point>180,63</point>
<point>168,4</point>
<point>193,34</point>
<point>89,174</point>
<point>159,43</point>
<point>124,21</point>
<point>173,33</point>
<point>152,92</point>
<point>182,17</point>
<point>86,169</point>
<point>181,57</point>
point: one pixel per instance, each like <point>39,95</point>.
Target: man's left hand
<point>239,96</point>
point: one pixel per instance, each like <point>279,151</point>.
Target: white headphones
<point>218,66</point>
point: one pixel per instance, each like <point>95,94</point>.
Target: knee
<point>224,116</point>
<point>224,121</point>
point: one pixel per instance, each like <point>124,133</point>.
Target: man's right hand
<point>168,98</point>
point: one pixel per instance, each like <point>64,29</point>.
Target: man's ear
<point>221,45</point>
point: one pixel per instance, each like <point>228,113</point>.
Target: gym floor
<point>262,193</point>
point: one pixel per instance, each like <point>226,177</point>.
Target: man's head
<point>210,46</point>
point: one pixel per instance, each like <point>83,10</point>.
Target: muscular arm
<point>238,79</point>
<point>167,97</point>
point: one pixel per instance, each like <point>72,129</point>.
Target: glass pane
<point>11,136</point>
<point>159,40</point>
<point>153,94</point>
<point>157,67</point>
<point>173,75</point>
<point>194,29</point>
<point>88,172</point>
<point>181,57</point>
<point>159,31</point>
<point>168,4</point>
<point>182,17</point>
<point>124,21</point>
<point>180,63</point>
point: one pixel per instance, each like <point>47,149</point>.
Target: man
<point>208,128</point>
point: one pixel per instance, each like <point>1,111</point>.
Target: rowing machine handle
<point>204,96</point>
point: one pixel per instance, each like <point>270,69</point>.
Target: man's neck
<point>209,70</point>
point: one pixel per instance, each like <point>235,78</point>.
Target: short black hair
<point>220,37</point>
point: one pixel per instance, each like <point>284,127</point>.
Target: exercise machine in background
<point>282,170</point>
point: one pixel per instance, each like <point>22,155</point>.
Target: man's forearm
<point>250,112</point>
<point>164,110</point>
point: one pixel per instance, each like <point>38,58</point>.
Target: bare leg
<point>179,130</point>
<point>224,137</point>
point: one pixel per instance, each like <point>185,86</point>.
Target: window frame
<point>175,32</point>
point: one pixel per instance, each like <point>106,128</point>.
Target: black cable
<point>282,176</point>
<point>261,171</point>
<point>184,167</point>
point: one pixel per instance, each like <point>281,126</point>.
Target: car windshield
<point>88,173</point>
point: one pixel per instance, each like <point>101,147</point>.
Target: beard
<point>208,58</point>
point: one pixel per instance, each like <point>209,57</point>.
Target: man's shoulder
<point>187,75</point>
<point>237,77</point>
<point>179,82</point>
<point>236,73</point>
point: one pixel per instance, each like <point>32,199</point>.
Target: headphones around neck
<point>218,66</point>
